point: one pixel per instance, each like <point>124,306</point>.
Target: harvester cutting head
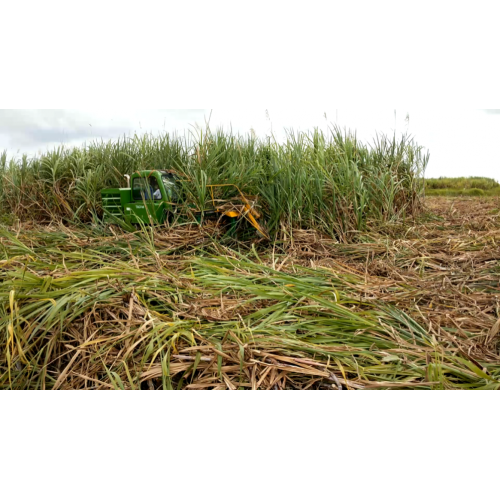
<point>244,210</point>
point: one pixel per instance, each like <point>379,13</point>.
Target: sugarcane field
<point>217,261</point>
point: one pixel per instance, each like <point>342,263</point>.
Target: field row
<point>332,183</point>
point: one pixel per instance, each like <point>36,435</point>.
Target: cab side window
<point>140,189</point>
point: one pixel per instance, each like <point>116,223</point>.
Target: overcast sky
<point>461,142</point>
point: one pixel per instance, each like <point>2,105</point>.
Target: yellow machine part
<point>249,212</point>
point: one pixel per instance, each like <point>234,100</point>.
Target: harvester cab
<point>150,198</point>
<point>153,197</point>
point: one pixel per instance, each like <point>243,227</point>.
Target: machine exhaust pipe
<point>128,180</point>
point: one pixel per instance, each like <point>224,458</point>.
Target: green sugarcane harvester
<point>152,197</point>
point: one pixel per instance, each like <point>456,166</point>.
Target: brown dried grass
<point>442,271</point>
